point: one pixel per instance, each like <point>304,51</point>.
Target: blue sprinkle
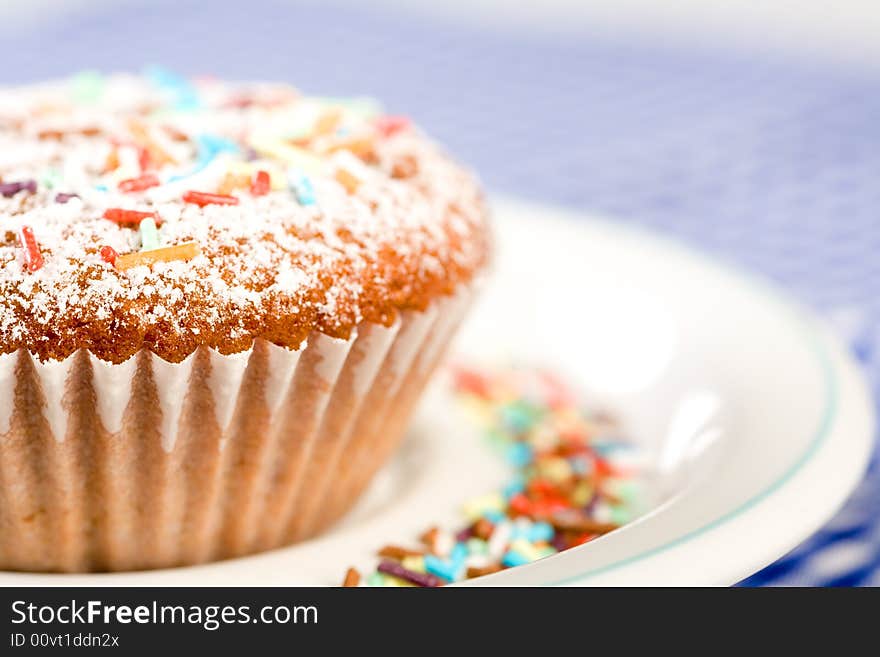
<point>209,147</point>
<point>540,531</point>
<point>458,554</point>
<point>513,488</point>
<point>185,95</point>
<point>448,570</point>
<point>606,446</point>
<point>517,418</point>
<point>578,465</point>
<point>512,559</point>
<point>302,188</point>
<point>494,516</point>
<point>519,454</point>
<point>101,188</point>
<point>519,532</point>
<point>212,145</point>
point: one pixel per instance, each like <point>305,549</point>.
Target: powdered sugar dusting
<point>272,266</point>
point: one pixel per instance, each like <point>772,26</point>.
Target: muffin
<point>218,306</point>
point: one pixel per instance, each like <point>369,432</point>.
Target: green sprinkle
<point>620,514</point>
<point>477,546</point>
<point>88,86</point>
<point>376,579</point>
<point>51,178</point>
<point>149,235</point>
<point>497,440</point>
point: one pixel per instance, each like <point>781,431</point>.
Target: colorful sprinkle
<point>108,254</point>
<point>302,188</point>
<point>292,156</point>
<point>130,217</point>
<point>205,198</point>
<point>62,197</point>
<point>33,258</point>
<point>352,578</point>
<point>87,86</point>
<point>561,495</point>
<point>12,188</point>
<point>185,251</point>
<point>149,235</point>
<point>389,125</point>
<point>185,95</point>
<point>261,183</point>
<point>51,178</point>
<point>396,569</point>
<point>347,180</point>
<point>139,184</point>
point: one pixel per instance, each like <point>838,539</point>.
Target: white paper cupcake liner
<point>150,464</point>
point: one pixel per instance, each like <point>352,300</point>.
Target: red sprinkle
<point>472,382</point>
<point>261,183</point>
<point>108,254</point>
<point>519,504</point>
<point>389,125</point>
<point>204,198</point>
<point>129,217</point>
<point>32,256</point>
<point>139,184</point>
<point>145,160</point>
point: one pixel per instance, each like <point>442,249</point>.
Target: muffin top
<point>165,213</point>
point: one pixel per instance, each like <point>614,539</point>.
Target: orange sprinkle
<point>362,147</point>
<point>328,122</point>
<point>112,161</point>
<point>347,180</point>
<point>399,553</point>
<point>141,134</point>
<point>231,182</point>
<point>185,251</point>
<point>352,578</point>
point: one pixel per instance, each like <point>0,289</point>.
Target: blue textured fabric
<point>773,165</point>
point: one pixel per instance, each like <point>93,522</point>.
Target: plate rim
<point>835,364</point>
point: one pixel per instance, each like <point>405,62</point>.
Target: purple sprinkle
<point>13,188</point>
<point>559,542</point>
<point>62,197</point>
<point>463,535</point>
<point>590,507</point>
<point>419,579</point>
<point>250,155</point>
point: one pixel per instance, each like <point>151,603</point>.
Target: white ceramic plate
<point>756,420</point>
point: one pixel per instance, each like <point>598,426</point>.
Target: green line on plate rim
<point>804,325</point>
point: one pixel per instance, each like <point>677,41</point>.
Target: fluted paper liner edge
<point>149,464</point>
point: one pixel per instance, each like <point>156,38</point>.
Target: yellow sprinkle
<point>185,251</point>
<point>526,549</point>
<point>291,155</point>
<point>555,469</point>
<point>416,564</point>
<point>390,580</point>
<point>582,494</point>
<point>477,506</point>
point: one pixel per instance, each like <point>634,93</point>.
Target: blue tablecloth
<point>773,164</point>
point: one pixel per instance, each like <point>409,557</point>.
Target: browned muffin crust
<point>365,217</point>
